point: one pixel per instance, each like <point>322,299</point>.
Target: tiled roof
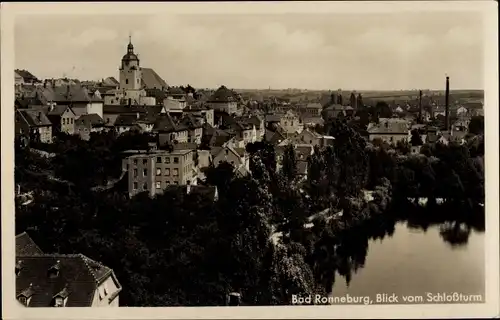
<point>126,120</point>
<point>110,81</point>
<point>91,119</point>
<point>273,117</point>
<point>78,274</point>
<point>314,105</point>
<point>389,126</point>
<point>191,121</point>
<point>26,246</point>
<point>151,79</point>
<point>27,76</point>
<point>35,118</point>
<point>122,109</point>
<point>58,110</point>
<point>165,123</point>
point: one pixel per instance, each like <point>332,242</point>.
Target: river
<point>411,261</point>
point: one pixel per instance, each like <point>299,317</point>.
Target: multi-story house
<point>62,118</point>
<point>291,123</point>
<point>203,111</point>
<point>79,98</point>
<point>234,156</point>
<point>311,109</point>
<point>62,280</point>
<point>88,123</point>
<point>390,130</point>
<point>308,136</point>
<point>170,131</point>
<point>225,100</point>
<point>33,125</point>
<point>155,171</point>
<point>194,126</point>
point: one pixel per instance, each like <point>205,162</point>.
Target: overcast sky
<point>310,51</point>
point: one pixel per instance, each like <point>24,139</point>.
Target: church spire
<point>130,47</point>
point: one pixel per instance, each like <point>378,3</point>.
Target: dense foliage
<point>270,235</point>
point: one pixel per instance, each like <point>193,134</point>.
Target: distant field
<point>400,94</point>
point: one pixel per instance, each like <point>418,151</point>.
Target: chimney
<point>420,105</point>
<point>188,187</point>
<point>447,101</point>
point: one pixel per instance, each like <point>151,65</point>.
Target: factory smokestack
<point>447,104</point>
<point>420,106</point>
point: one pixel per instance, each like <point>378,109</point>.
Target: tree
<point>289,168</point>
<point>383,110</point>
<point>476,125</point>
<point>416,139</point>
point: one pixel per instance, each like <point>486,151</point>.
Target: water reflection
<point>409,251</point>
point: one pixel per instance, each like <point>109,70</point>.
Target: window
<point>135,173</point>
<point>232,162</point>
<point>64,121</point>
<point>144,161</point>
<point>167,182</point>
<point>23,300</point>
<point>126,81</point>
<point>158,171</point>
<point>158,185</point>
<point>176,160</point>
<point>144,186</point>
<point>167,171</point>
<point>137,80</point>
<point>58,302</point>
<point>158,159</point>
<point>135,161</point>
<point>176,182</point>
<point>105,289</point>
<point>176,172</point>
<point>135,185</point>
<point>145,172</point>
<point>108,120</point>
<point>167,160</point>
<point>127,166</point>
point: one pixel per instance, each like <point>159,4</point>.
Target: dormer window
<point>25,296</point>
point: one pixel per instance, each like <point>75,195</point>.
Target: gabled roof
<point>26,246</point>
<point>91,119</point>
<point>125,120</point>
<point>58,110</point>
<point>151,79</point>
<point>78,274</point>
<point>27,76</point>
<point>388,126</point>
<point>165,123</point>
<point>110,81</point>
<point>35,118</point>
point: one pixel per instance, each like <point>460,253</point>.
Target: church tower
<point>130,71</point>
